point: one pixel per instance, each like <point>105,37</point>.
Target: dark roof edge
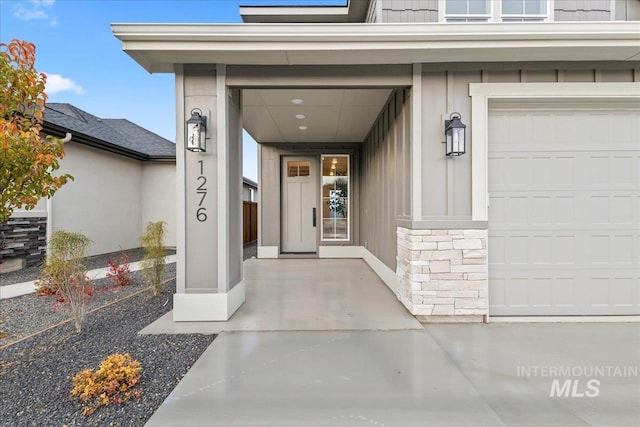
<point>61,131</point>
<point>250,182</point>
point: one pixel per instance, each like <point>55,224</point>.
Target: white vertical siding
<point>384,178</point>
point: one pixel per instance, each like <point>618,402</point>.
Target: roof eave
<point>88,140</point>
<point>157,47</point>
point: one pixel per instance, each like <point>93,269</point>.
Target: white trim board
<point>340,252</point>
<point>208,307</point>
<point>387,275</point>
<point>268,252</point>
<point>562,319</point>
<point>482,93</point>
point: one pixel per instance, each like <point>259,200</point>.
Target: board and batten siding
<point>446,182</point>
<point>385,185</point>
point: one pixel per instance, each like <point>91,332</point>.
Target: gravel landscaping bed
<point>93,262</point>
<point>35,374</point>
<point>250,251</point>
<point>22,316</point>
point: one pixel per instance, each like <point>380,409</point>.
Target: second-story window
<point>467,10</point>
<point>495,10</point>
<point>524,10</point>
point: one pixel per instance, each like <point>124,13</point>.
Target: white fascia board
<point>158,46</point>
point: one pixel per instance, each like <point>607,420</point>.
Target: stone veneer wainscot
<point>442,274</point>
<point>24,238</point>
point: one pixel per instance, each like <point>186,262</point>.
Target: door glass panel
<point>303,168</point>
<point>335,197</point>
<point>298,168</point>
<point>292,169</point>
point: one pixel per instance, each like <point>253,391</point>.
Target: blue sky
<point>87,67</point>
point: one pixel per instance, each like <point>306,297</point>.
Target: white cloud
<point>35,10</point>
<point>56,83</point>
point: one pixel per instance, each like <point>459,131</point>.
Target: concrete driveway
<point>544,374</point>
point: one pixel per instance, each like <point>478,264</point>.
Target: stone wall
<point>443,273</point>
<point>24,238</point>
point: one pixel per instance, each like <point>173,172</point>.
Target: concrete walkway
<point>25,288</point>
<point>271,367</point>
<point>305,294</point>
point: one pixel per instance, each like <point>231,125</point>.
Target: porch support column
<point>209,270</point>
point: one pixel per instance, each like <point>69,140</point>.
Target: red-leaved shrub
<point>119,271</point>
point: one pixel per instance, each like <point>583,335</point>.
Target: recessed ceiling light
<point>303,127</point>
<point>300,116</point>
<point>297,101</point>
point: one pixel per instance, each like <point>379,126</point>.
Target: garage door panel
<point>564,213</point>
<point>564,295</point>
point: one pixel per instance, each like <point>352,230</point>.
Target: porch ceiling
<point>329,115</point>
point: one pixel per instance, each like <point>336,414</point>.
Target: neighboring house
<point>538,218</point>
<point>124,178</point>
<point>249,190</point>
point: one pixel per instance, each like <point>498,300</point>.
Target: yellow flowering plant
<point>113,382</point>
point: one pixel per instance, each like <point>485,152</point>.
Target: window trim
<point>443,17</point>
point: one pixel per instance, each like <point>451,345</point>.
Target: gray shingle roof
<point>116,132</point>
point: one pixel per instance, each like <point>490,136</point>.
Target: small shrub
<point>64,273</point>
<point>155,251</point>
<point>113,382</point>
<point>119,271</point>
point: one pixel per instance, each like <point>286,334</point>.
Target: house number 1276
<point>201,191</point>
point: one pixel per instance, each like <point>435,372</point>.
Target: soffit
<point>331,115</point>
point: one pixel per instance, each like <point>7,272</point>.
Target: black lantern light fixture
<point>197,131</point>
<point>454,131</point>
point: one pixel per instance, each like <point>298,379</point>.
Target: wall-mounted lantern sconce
<point>197,131</point>
<point>454,131</point>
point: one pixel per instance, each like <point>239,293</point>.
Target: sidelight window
<point>335,197</point>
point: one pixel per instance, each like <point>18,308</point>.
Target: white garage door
<point>564,215</point>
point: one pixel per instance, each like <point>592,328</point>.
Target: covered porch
<point>305,295</point>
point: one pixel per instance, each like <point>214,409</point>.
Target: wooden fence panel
<point>249,222</point>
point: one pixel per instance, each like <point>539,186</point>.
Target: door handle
<point>314,216</point>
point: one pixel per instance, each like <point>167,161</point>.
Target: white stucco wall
<point>39,210</point>
<point>159,197</point>
<point>104,200</point>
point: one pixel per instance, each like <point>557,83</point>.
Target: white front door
<point>299,204</point>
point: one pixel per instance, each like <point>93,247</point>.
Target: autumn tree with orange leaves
<point>27,161</point>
